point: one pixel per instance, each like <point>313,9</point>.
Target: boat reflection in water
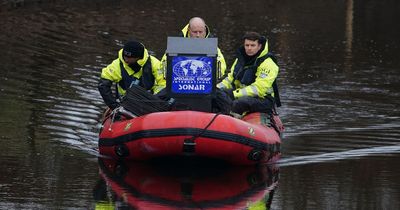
<point>184,186</point>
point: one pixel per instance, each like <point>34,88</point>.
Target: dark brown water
<point>339,84</point>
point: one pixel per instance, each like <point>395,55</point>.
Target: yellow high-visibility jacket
<point>150,75</point>
<point>253,78</point>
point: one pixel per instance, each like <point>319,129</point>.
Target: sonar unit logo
<point>191,75</point>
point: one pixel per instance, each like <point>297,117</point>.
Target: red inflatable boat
<point>250,140</point>
<point>187,124</point>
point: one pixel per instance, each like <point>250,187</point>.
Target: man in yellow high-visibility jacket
<point>250,81</point>
<point>197,28</point>
<point>134,65</point>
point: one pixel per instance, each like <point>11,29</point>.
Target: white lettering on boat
<point>191,87</point>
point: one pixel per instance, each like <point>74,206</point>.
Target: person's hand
<point>114,106</point>
<point>230,94</point>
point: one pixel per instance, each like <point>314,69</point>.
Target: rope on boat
<point>140,102</point>
<point>189,144</point>
<point>204,129</point>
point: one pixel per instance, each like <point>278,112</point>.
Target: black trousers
<point>251,104</point>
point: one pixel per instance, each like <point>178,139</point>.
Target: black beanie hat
<point>133,49</point>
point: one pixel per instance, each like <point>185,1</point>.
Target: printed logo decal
<point>252,132</point>
<point>192,68</point>
<point>127,126</point>
<point>191,74</point>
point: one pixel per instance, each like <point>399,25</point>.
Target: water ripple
<point>349,154</point>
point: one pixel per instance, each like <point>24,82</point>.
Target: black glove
<point>229,93</point>
<point>114,105</point>
<point>222,103</point>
